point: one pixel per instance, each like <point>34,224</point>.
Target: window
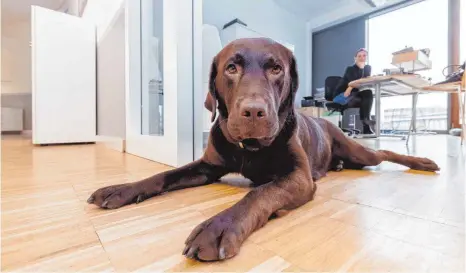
<point>412,26</point>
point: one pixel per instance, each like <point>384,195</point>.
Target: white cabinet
<point>63,78</point>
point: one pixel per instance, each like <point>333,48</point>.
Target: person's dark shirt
<point>352,73</point>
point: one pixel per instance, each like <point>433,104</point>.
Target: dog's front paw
<point>116,196</point>
<point>215,239</point>
<point>424,164</point>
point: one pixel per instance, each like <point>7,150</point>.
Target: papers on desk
<point>392,71</point>
<point>319,94</point>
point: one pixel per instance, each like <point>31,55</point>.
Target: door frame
<point>175,147</point>
<point>198,92</point>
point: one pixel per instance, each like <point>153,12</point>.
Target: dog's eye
<point>276,69</point>
<point>231,68</point>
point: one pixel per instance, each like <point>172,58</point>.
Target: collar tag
<point>241,145</point>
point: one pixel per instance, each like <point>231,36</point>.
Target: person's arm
<point>367,71</point>
<point>347,77</point>
<point>348,91</point>
<point>358,73</point>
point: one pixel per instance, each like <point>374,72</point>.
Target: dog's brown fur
<point>259,134</point>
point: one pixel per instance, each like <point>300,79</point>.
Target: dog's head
<point>253,83</point>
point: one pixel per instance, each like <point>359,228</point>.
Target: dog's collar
<point>243,146</point>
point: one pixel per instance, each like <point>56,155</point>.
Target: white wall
<point>106,15</point>
<point>101,13</point>
<point>339,15</point>
<point>309,59</point>
<point>111,80</point>
<point>16,69</point>
<point>266,18</point>
<point>16,58</point>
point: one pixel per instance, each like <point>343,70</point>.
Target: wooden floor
<point>384,219</point>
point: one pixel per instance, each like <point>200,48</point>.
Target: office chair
<point>331,84</point>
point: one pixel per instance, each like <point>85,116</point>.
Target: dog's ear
<point>288,96</point>
<point>211,98</point>
<point>209,104</point>
<point>294,84</point>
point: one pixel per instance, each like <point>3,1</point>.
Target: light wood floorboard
<point>384,219</point>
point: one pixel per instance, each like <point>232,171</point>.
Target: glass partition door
<point>159,89</point>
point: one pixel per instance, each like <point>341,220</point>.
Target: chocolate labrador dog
<point>260,135</point>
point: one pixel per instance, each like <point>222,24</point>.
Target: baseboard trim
<point>114,143</point>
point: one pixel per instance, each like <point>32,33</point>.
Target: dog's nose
<point>253,110</point>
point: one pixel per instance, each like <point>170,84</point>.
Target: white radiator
<point>12,119</point>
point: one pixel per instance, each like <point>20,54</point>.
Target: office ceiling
<point>20,10</point>
<point>324,13</point>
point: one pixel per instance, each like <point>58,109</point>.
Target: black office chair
<point>331,84</point>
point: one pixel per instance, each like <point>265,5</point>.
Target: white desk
<point>458,88</point>
<point>393,85</point>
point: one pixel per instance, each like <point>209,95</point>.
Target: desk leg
<point>463,126</point>
<point>412,125</point>
<point>414,111</point>
<point>377,110</point>
<point>462,104</point>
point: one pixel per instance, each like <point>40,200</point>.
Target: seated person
<point>353,97</point>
